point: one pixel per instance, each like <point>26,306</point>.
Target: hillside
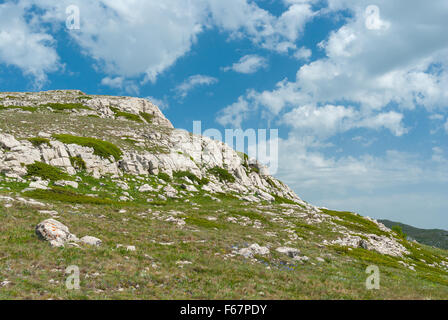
<point>146,211</point>
<point>431,237</point>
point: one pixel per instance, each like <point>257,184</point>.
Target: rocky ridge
<point>150,148</point>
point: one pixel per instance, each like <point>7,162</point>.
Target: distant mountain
<point>432,237</point>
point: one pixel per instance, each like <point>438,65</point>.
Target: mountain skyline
<point>357,90</point>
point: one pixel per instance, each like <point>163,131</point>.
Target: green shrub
<point>63,195</point>
<point>101,148</point>
<point>65,106</point>
<point>127,115</point>
<point>37,141</point>
<point>148,117</point>
<point>46,172</point>
<point>164,176</point>
<point>222,174</point>
<point>78,163</point>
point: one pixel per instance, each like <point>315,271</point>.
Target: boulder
<point>55,232</point>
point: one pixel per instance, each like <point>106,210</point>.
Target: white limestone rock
<point>55,232</point>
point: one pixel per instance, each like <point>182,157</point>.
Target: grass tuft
<point>46,172</point>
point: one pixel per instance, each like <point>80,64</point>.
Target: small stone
<point>291,252</point>
<point>91,241</point>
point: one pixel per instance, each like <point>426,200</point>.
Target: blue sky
<point>357,89</point>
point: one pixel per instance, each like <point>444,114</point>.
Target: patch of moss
<point>46,172</point>
<point>101,148</point>
<point>222,174</point>
<point>126,115</point>
<point>37,141</point>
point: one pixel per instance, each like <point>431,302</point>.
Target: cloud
<point>242,18</point>
<point>248,64</point>
<point>326,121</point>
<point>303,54</point>
<point>162,104</point>
<point>364,183</point>
<point>369,76</point>
<point>192,82</point>
<point>234,114</point>
<point>140,38</point>
<point>373,68</point>
<point>120,83</point>
<point>25,45</point>
<point>446,126</point>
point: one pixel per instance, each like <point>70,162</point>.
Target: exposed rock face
<point>173,150</point>
<point>381,244</point>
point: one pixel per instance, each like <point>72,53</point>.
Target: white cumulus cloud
<point>248,64</point>
<point>25,45</point>
<point>192,82</point>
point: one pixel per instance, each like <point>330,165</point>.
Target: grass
<point>203,223</point>
<point>222,174</point>
<point>101,148</point>
<point>355,222</point>
<point>23,108</point>
<point>399,231</point>
<point>164,176</point>
<point>37,271</point>
<point>46,172</point>
<point>64,195</point>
